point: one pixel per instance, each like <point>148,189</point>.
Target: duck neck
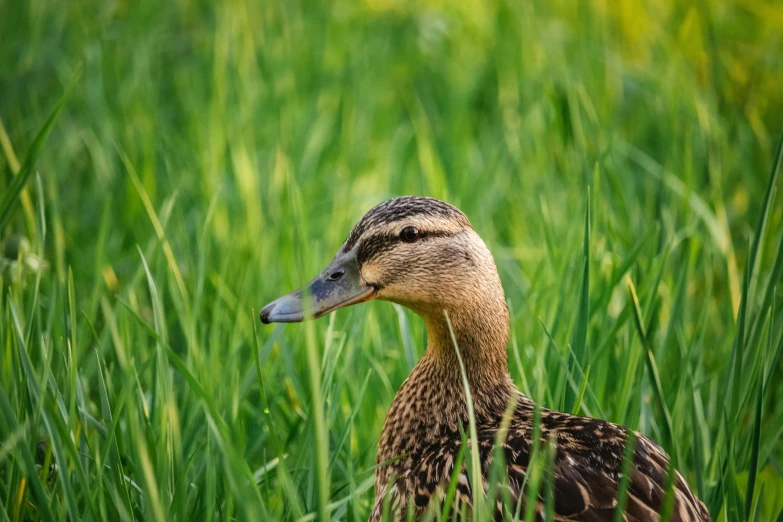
<point>432,403</point>
<point>477,332</point>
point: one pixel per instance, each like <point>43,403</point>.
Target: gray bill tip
<point>266,313</point>
<point>287,309</point>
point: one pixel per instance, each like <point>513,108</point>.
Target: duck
<point>424,254</point>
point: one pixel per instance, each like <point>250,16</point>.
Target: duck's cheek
<point>404,295</point>
<point>382,276</point>
<point>371,275</point>
<point>390,292</point>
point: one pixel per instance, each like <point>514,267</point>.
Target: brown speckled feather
<point>587,469</point>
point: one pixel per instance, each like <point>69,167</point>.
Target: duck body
<point>423,424</point>
<point>423,254</point>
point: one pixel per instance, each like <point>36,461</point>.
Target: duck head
<point>419,252</point>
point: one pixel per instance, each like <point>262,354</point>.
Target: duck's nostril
<point>336,275</point>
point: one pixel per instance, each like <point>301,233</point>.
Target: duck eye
<point>409,234</point>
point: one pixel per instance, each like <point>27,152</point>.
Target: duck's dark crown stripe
<point>401,208</point>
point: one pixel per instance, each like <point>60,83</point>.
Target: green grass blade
<point>285,475</point>
<point>754,453</point>
<point>319,419</point>
<point>698,459</point>
<point>765,207</point>
<point>579,338</point>
<point>451,491</point>
<point>652,367</point>
<point>625,479</point>
<point>11,196</point>
<point>30,472</point>
<point>477,480</point>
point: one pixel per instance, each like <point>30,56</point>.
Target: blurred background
<point>211,156</point>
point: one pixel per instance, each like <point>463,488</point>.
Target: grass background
<point>213,155</point>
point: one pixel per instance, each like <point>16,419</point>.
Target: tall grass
<point>211,156</point>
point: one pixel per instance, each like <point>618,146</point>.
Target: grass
<point>211,156</point>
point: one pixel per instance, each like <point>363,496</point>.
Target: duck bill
<point>338,286</point>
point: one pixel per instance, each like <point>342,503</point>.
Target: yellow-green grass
<point>617,157</point>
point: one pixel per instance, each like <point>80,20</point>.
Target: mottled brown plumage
<point>447,275</point>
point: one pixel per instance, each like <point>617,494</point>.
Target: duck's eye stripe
<point>380,243</point>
